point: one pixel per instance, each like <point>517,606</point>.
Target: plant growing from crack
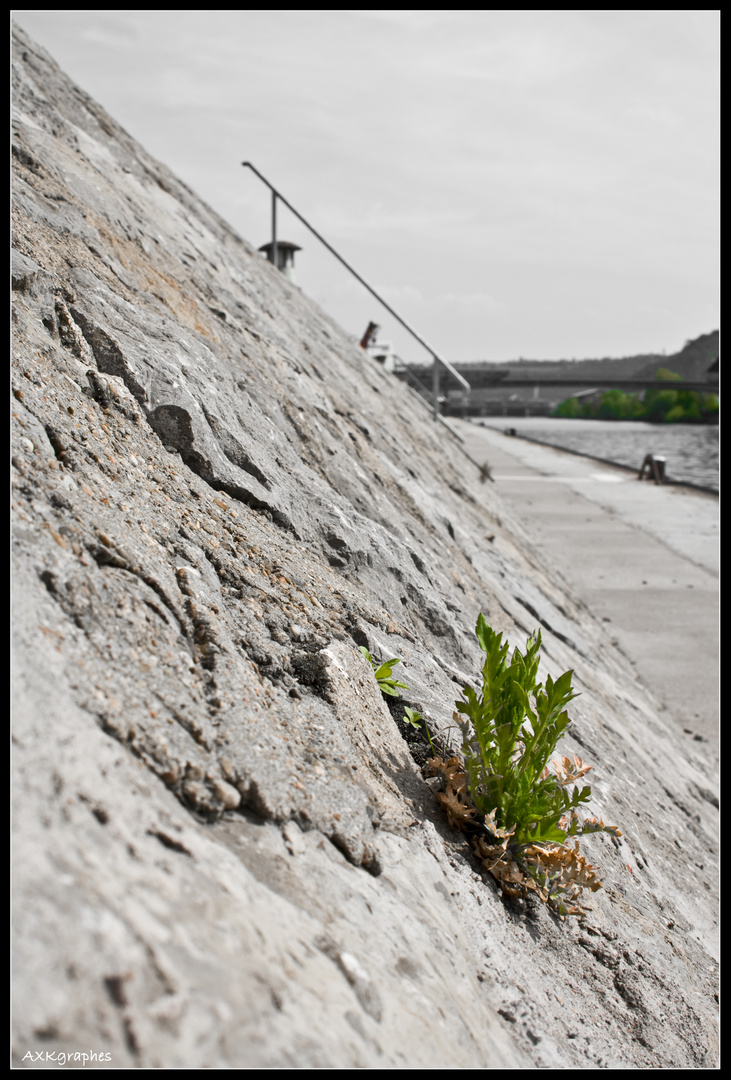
<point>384,674</point>
<point>417,722</point>
<point>411,716</point>
<point>389,688</point>
<point>521,816</point>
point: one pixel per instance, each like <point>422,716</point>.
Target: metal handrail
<point>437,358</point>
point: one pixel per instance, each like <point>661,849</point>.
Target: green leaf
<point>486,635</point>
<point>384,671</point>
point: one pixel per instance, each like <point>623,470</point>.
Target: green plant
<point>384,674</point>
<point>388,685</point>
<point>417,721</point>
<point>527,813</point>
<point>411,716</point>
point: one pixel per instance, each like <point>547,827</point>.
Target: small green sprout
<point>411,716</point>
<point>384,674</point>
<point>384,677</point>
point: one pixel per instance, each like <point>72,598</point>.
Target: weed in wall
<point>521,808</point>
<point>409,718</point>
<point>384,674</point>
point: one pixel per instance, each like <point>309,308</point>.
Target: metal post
<point>435,389</point>
<point>275,260</point>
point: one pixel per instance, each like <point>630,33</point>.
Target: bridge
<point>484,377</point>
<point>510,391</point>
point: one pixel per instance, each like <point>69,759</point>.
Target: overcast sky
<point>534,183</point>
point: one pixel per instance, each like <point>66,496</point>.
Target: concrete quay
<point>643,557</point>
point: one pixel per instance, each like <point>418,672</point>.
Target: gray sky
<point>534,183</point>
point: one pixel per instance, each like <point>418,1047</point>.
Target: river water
<point>691,450</point>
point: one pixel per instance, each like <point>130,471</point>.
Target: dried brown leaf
<point>457,812</point>
<point>569,771</point>
<point>492,825</point>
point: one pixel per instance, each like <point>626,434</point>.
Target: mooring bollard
<point>655,465</point>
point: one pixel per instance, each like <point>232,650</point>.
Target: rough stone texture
<point>225,855</point>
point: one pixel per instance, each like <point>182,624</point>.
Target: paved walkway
<point>644,558</point>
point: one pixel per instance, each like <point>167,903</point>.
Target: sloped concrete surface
<point>224,854</point>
